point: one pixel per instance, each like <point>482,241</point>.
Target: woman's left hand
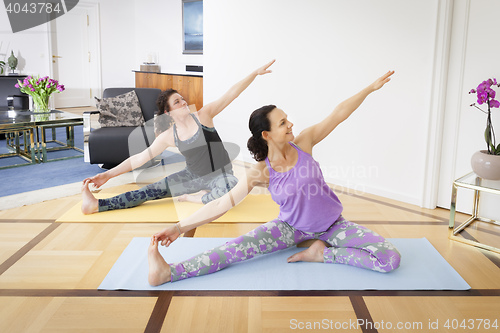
<point>379,83</point>
<point>264,69</point>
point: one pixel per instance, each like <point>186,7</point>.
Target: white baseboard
<point>361,189</point>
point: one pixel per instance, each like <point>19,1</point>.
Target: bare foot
<point>89,203</point>
<point>196,198</point>
<point>159,270</point>
<point>314,253</point>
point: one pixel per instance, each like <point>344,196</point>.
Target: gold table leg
<point>474,217</point>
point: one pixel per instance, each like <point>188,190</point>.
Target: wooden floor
<point>49,274</point>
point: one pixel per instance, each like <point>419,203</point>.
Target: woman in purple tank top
<point>309,209</point>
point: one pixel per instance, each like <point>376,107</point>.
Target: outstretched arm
<point>212,210</point>
<point>314,134</point>
<point>214,108</point>
<point>133,162</point>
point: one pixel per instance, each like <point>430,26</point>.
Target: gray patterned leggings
<point>349,243</point>
<point>182,182</point>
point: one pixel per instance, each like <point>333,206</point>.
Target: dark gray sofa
<point>112,145</point>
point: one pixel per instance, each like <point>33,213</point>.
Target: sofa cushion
<point>122,110</point>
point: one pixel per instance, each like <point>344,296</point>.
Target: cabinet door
<point>164,82</point>
<point>141,80</point>
<point>178,84</point>
<point>195,87</point>
<point>145,80</point>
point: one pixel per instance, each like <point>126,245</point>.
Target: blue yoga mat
<point>422,268</point>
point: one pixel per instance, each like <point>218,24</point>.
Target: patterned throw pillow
<point>122,110</point>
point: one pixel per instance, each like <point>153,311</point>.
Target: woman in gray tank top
<point>208,168</point>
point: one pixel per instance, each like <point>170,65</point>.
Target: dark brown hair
<point>163,121</point>
<point>258,123</point>
<point>162,101</point>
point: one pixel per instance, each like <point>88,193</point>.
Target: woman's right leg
<point>358,246</point>
<point>182,182</point>
<point>219,186</point>
<point>269,237</point>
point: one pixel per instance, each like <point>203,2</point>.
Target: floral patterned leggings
<point>349,243</point>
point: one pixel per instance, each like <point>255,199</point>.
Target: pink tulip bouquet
<point>40,89</point>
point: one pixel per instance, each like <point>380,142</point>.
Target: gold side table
<point>28,150</point>
<point>69,144</point>
<point>473,182</point>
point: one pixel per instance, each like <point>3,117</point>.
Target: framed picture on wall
<point>192,26</point>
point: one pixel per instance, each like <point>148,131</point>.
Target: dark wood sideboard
<point>189,86</point>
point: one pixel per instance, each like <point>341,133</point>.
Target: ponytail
<point>258,148</point>
<point>258,123</point>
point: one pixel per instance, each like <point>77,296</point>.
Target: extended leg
<point>176,184</point>
<point>269,237</point>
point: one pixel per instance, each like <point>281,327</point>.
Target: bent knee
<point>220,187</point>
<point>392,262</point>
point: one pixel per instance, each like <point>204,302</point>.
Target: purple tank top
<point>306,202</point>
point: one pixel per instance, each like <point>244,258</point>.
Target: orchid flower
<point>486,95</point>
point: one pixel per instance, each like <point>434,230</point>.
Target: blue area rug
<point>44,175</point>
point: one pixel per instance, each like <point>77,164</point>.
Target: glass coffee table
<point>26,133</point>
<point>473,182</point>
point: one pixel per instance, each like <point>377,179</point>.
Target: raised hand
<point>264,69</point>
<point>379,83</point>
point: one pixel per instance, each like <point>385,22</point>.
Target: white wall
<point>29,46</point>
<point>326,51</point>
<point>159,32</point>
<point>118,44</point>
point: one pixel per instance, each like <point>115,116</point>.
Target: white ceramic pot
<point>485,165</point>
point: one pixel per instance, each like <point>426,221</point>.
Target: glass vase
<point>41,104</point>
